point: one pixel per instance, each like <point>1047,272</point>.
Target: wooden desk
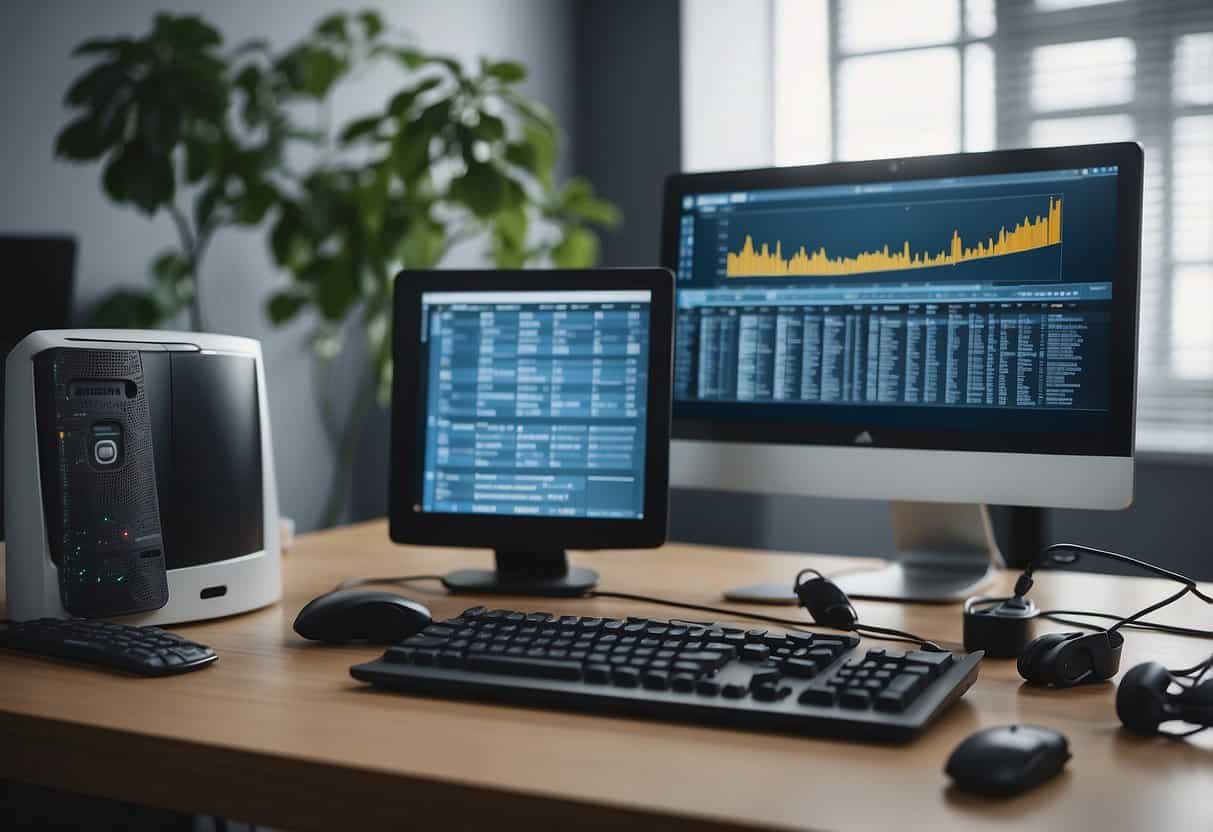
<point>278,733</point>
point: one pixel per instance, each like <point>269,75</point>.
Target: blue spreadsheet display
<point>978,302</point>
<point>535,403</point>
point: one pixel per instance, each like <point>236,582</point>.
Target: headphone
<point>1001,626</point>
<point>1144,700</point>
<point>825,601</point>
<point>830,607</point>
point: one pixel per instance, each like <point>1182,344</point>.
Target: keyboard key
<point>734,691</point>
<point>449,658</point>
<point>770,693</point>
<point>708,657</point>
<point>822,696</point>
<point>656,680</point>
<point>899,693</point>
<point>687,667</point>
<point>598,674</point>
<point>424,642</point>
<point>626,677</point>
<point>524,666</point>
<point>682,682</point>
<point>937,662</point>
<point>801,668</point>
<point>729,650</point>
<point>707,687</point>
<point>755,653</point>
<point>764,677</point>
<point>855,698</point>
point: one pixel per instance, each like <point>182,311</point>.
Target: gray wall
<point>41,194</point>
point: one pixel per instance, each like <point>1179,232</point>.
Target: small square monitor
<point>530,414</point>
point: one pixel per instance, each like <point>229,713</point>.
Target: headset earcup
<point>1141,699</point>
<point>1030,663</point>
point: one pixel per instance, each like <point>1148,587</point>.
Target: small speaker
<point>98,475</point>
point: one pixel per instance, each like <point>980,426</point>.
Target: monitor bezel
<point>1116,440</point>
<point>526,533</point>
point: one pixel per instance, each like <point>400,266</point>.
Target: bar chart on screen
<point>1025,232</point>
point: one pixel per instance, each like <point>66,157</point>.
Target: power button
<point>105,451</point>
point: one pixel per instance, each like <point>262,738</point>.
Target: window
<point>856,79</point>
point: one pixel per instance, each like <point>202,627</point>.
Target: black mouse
<point>356,615</point>
<point>1007,760</point>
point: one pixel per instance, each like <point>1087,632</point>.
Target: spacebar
<point>519,666</point>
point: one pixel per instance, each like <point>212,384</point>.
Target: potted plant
<point>457,155</point>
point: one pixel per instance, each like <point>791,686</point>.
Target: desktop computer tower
<point>139,477</point>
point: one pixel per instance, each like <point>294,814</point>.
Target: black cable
<point>1047,553</point>
<point>1149,626</point>
<point>1171,599</point>
<point>403,579</point>
<point>885,633</point>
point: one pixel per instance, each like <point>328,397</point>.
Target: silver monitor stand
<point>945,552</point>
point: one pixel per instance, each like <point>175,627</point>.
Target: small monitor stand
<point>945,552</point>
<point>544,574</point>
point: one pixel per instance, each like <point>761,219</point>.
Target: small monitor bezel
<point>509,533</point>
<point>1118,437</point>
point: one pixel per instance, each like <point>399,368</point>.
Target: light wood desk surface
<point>278,733</point>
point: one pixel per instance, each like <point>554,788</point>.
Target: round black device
<point>826,602</point>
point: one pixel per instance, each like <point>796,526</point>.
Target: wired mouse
<point>359,615</point>
<point>1007,760</point>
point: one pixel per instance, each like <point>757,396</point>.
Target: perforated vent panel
<point>102,514</point>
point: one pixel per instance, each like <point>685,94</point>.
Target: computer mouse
<point>359,615</point>
<point>1007,760</point>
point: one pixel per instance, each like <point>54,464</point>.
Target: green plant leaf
<point>81,140</point>
<point>360,128</point>
<point>482,189</point>
<point>577,250</point>
<point>531,111</point>
<point>415,59</point>
<point>197,160</point>
<point>285,305</point>
<point>577,199</point>
<point>511,72</point>
<point>128,309</point>
<point>489,128</point>
<point>543,153</point>
<point>521,154</point>
<point>335,286</point>
<point>187,32</point>
<point>256,201</point>
<point>333,26</point>
<point>97,86</point>
<point>424,244</point>
<point>372,23</point>
<point>136,175</point>
<point>170,266</point>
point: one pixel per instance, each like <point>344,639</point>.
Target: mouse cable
<point>1148,626</point>
<point>886,633</point>
<point>1053,555</point>
<point>350,583</point>
<point>871,630</point>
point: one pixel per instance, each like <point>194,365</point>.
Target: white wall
<point>41,194</point>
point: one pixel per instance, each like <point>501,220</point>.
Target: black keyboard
<point>791,682</point>
<point>145,651</point>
